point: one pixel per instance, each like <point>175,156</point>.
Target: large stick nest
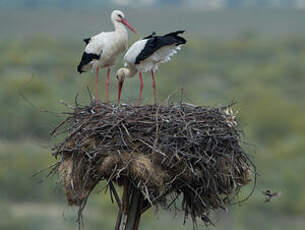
<point>163,150</point>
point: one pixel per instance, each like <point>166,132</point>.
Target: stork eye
<point>120,16</point>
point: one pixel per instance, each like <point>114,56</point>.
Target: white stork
<point>102,49</point>
<point>145,55</point>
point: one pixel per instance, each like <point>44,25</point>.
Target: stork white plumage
<point>102,49</point>
<point>145,55</point>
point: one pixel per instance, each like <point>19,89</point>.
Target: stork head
<point>118,16</point>
<point>121,74</point>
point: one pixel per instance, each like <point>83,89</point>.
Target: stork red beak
<point>124,21</point>
<point>120,85</point>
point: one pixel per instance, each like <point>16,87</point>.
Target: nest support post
<point>131,208</point>
<point>134,210</point>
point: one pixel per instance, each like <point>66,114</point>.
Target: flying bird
<point>102,49</point>
<point>270,195</point>
<point>145,55</point>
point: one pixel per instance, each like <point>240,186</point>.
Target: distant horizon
<point>198,4</point>
<point>216,24</point>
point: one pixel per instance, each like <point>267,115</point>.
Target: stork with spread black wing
<point>145,55</point>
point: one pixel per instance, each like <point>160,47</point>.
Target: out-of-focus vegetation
<point>265,75</point>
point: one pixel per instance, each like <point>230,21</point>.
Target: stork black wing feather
<point>153,34</point>
<point>155,43</point>
<point>179,39</point>
<point>87,40</point>
<point>86,59</point>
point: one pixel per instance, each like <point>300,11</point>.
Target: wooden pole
<point>134,210</point>
<point>131,207</point>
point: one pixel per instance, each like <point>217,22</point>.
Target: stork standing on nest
<point>102,49</point>
<point>145,55</point>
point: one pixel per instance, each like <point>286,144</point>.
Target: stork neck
<point>131,71</point>
<point>119,27</point>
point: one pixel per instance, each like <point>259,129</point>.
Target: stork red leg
<point>154,86</point>
<point>141,88</point>
<point>107,84</point>
<point>96,84</point>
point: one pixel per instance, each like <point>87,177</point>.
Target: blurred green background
<point>252,54</point>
